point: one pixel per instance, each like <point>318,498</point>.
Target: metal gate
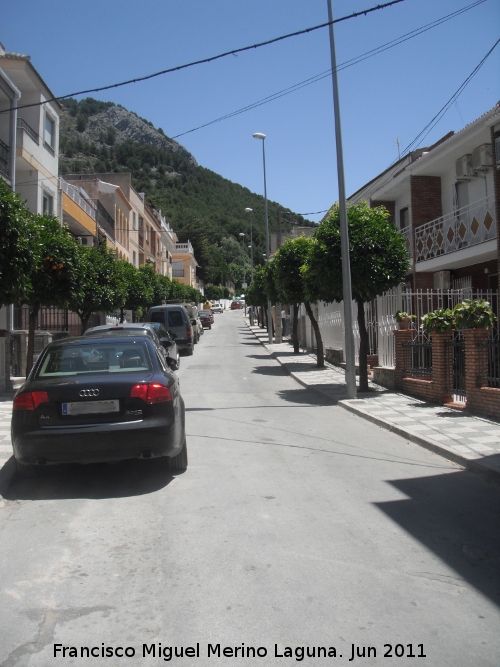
<point>456,367</point>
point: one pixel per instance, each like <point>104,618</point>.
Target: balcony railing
<point>184,247</point>
<point>406,232</point>
<point>4,159</point>
<point>23,125</point>
<point>73,194</point>
<point>104,220</point>
<point>466,227</point>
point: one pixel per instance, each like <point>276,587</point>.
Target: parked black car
<point>92,399</point>
<point>205,318</point>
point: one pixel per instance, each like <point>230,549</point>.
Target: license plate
<point>90,407</point>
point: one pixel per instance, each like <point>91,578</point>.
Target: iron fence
<point>417,358</point>
<point>491,348</point>
<point>455,367</point>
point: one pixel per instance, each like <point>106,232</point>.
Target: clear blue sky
<point>79,45</point>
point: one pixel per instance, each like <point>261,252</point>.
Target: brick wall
<point>480,398</point>
<point>425,199</point>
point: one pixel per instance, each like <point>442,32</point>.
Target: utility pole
<point>350,371</point>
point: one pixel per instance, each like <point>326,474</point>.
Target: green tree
<point>288,262</point>
<point>18,250</point>
<point>100,282</point>
<point>379,261</point>
<point>54,273</point>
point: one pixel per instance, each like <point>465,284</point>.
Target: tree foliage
<point>379,261</point>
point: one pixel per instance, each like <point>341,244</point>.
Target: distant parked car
<point>175,318</point>
<point>205,318</point>
<point>147,329</point>
<point>235,305</point>
<point>217,308</point>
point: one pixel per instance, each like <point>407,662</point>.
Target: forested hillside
<point>98,137</point>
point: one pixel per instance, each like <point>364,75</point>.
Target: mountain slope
<point>98,137</point>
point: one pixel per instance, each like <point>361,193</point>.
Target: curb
<point>437,448</point>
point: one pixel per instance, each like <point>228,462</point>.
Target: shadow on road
<point>277,371</point>
<point>96,481</point>
<point>307,397</point>
<point>455,516</point>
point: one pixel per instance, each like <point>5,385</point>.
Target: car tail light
<point>30,400</point>
<point>189,332</point>
<point>151,393</point>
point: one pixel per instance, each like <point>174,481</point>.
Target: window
<point>134,221</point>
<point>147,234</point>
<point>47,204</point>
<point>134,258</point>
<point>49,135</point>
<point>404,217</point>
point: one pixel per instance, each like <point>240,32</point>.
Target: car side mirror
<point>172,363</point>
<point>167,343</point>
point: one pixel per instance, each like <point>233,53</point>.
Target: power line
<point>434,120</point>
<point>327,73</point>
<point>363,12</point>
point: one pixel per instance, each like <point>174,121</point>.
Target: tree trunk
<point>363,347</point>
<point>295,327</point>
<point>122,315</point>
<point>320,356</point>
<point>33,317</point>
<point>84,319</point>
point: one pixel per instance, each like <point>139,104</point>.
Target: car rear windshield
<point>114,357</point>
<point>175,318</point>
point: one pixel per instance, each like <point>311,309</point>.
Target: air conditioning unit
<point>464,167</point>
<point>442,280</point>
<point>481,158</point>
<point>497,151</point>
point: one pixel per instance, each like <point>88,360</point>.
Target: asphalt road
<point>296,526</point>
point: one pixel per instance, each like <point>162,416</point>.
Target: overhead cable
<point>363,12</point>
<point>327,73</point>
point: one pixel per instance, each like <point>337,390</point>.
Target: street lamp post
<point>250,210</point>
<point>242,234</point>
<point>259,135</point>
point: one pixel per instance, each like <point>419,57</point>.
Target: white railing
<point>379,316</point>
<point>184,247</point>
<point>73,194</point>
<point>463,228</point>
<point>406,232</point>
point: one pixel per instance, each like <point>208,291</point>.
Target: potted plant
<point>403,319</point>
<point>474,314</point>
<point>438,321</point>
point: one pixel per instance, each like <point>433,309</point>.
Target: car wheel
<point>26,471</point>
<point>179,462</point>
<point>190,352</point>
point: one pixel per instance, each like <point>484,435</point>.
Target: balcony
<point>184,247</point>
<point>4,160</point>
<point>73,194</point>
<point>23,125</point>
<point>406,232</point>
<point>177,273</point>
<point>104,220</point>
<point>464,228</point>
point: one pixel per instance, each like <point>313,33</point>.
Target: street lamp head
<point>259,135</point>
<point>241,234</point>
<point>248,210</point>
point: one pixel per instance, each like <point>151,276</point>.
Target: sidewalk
<point>473,442</point>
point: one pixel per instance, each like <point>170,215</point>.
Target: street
<point>298,531</point>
